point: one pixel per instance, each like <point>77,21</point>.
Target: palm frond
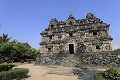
<point>4,38</point>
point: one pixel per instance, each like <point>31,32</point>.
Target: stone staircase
<point>70,60</point>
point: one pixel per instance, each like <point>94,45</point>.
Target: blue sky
<point>24,20</point>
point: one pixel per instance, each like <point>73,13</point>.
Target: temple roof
<point>90,21</point>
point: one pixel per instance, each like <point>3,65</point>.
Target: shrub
<point>9,61</point>
<point>17,60</point>
<point>1,61</point>
<point>99,76</point>
<point>22,61</point>
<point>16,73</point>
<point>112,74</point>
<point>6,67</point>
<point>30,60</point>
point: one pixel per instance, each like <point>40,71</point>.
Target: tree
<point>4,38</point>
<point>22,50</point>
<point>16,50</point>
<point>37,53</point>
<point>14,41</point>
<point>5,50</point>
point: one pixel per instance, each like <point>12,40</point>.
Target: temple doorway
<point>71,48</point>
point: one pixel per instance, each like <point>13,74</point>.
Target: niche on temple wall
<point>55,48</point>
<point>55,37</point>
<point>52,26</point>
<point>45,38</point>
<point>97,47</point>
<point>49,49</point>
<point>95,33</point>
<point>50,37</point>
<point>42,49</point>
<point>89,48</point>
<point>59,37</point>
<point>70,34</point>
<point>107,46</point>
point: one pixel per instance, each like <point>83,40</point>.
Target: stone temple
<point>70,36</point>
<point>82,42</point>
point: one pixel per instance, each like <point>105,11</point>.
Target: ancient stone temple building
<point>72,36</point>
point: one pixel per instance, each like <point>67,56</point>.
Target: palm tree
<point>14,41</point>
<point>4,38</point>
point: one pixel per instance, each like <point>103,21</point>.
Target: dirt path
<point>44,73</point>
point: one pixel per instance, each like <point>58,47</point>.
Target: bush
<point>110,74</point>
<point>30,60</point>
<point>22,61</point>
<point>16,73</point>
<point>17,60</point>
<point>6,67</point>
<point>1,61</point>
<point>99,76</point>
<point>9,61</point>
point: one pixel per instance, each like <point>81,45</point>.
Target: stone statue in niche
<point>107,47</point>
<point>89,48</point>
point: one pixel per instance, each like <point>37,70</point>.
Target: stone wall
<point>103,59</point>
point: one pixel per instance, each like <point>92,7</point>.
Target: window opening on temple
<point>59,36</point>
<point>94,33</point>
<point>70,23</point>
<point>52,26</point>
<point>50,37</point>
<point>70,34</point>
<point>49,49</point>
<point>97,47</point>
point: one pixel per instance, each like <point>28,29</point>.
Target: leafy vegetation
<point>15,51</point>
<point>4,38</point>
<point>17,73</point>
<point>110,74</point>
<point>6,67</point>
<point>7,73</point>
<point>99,76</point>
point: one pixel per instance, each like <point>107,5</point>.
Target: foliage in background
<point>16,51</point>
<point>4,38</point>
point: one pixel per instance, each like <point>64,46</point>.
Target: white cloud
<point>116,46</point>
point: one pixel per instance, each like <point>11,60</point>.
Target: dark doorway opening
<point>71,48</point>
